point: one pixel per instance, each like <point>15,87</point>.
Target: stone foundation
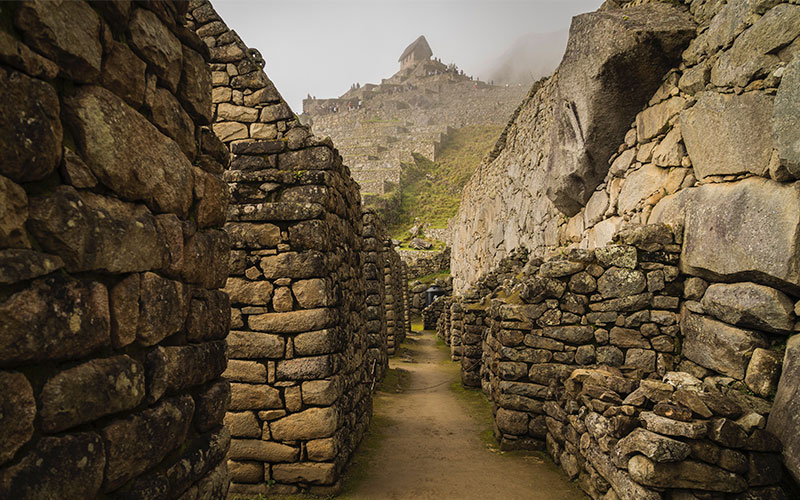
<point>112,324</point>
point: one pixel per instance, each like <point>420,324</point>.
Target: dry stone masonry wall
<point>316,291</point>
<point>639,380</point>
<point>112,324</point>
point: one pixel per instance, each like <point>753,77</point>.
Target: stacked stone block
<point>456,329</point>
<point>395,284</point>
<point>474,329</point>
<point>443,323</point>
<point>431,314</point>
<point>112,324</point>
<point>375,249</point>
<point>418,296</point>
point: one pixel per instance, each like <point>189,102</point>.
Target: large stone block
<point>30,116</point>
<point>246,292</point>
<point>784,420</point>
<point>639,185</point>
<point>293,321</point>
<point>756,221</point>
<point>55,318</point>
<point>784,119</point>
<point>127,153</point>
<point>205,258</point>
<point>124,74</point>
<point>312,423</point>
<point>615,61</point>
<point>742,139</point>
<point>93,232</point>
<point>17,411</point>
<point>686,474</point>
<point>750,305</point>
<point>13,214</point>
<point>210,405</point>
<point>718,346</point>
<point>68,466</point>
<point>91,390</point>
<point>194,89</point>
<point>262,451</point>
<point>157,45</point>
<point>137,442</point>
<point>254,397</point>
<point>21,264</point>
<point>163,305</point>
<point>621,282</point>
<point>173,368</point>
<point>254,345</point>
<point>66,32</point>
<point>253,235</point>
<point>305,472</point>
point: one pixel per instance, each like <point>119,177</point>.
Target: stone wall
<point>424,262</point>
<point>112,324</point>
<point>312,314</point>
<point>636,377</point>
<point>397,320</point>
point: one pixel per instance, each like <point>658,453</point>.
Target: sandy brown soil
<point>426,441</point>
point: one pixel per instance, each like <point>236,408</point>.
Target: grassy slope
<point>432,190</point>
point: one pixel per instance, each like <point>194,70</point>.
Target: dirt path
<point>426,441</point>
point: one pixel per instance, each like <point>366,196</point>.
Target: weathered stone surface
<point>317,342</point>
<point>750,305</point>
<point>209,316</point>
<point>30,116</point>
<point>55,318</point>
<point>157,45</point>
<point>511,422</point>
<point>13,214</point>
<point>719,346</point>
<point>21,264</point>
<point>253,235</point>
<point>787,108</point>
<point>294,265</point>
<point>263,451</point>
<point>573,334</point>
<point>254,397</point>
<point>66,32</point>
<point>254,345</point>
<point>622,483</point>
<point>170,118</point>
<point>653,446</point>
<point>139,441</point>
<point>742,139</point>
<point>320,392</point>
<point>123,74</point>
<point>669,427</point>
<point>203,455</point>
<point>307,368</point>
<point>639,185</point>
<point>163,305</point>
<point>303,472</point>
<point>751,54</point>
<point>655,120</point>
<point>89,391</point>
<point>173,368</point>
<point>69,466</point>
<point>784,420</point>
<point>195,83</point>
<point>210,404</point>
<point>16,54</point>
<point>602,104</point>
<point>312,423</point>
<point>127,153</point>
<point>244,424</point>
<point>242,291</point>
<point>312,293</point>
<point>621,282</point>
<point>93,232</point>
<point>560,268</point>
<point>205,259</point>
<point>17,411</point>
<point>617,256</point>
<point>686,474</point>
<point>320,450</point>
<point>293,321</point>
<point>755,220</point>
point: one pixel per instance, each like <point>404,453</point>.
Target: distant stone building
<point>419,50</point>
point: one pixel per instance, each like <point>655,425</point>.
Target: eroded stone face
<point>606,53</point>
<point>17,411</point>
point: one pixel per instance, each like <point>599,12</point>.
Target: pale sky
<point>321,47</point>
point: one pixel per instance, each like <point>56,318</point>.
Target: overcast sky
<point>321,47</point>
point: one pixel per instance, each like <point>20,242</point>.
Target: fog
<point>322,47</point>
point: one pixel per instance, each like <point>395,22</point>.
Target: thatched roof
<point>420,46</point>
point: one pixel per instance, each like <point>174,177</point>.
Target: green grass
<point>430,278</point>
<point>431,191</point>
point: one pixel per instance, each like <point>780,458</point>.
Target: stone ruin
<point>157,193</point>
<point>637,318</point>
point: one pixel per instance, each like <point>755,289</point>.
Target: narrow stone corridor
<point>426,440</point>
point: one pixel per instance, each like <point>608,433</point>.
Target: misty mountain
<point>529,58</point>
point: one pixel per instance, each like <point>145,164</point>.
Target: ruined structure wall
<point>637,378</point>
<point>396,309</point>
<point>312,321</point>
<point>112,324</point>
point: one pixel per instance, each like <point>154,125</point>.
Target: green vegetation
<point>430,278</point>
<point>431,191</point>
